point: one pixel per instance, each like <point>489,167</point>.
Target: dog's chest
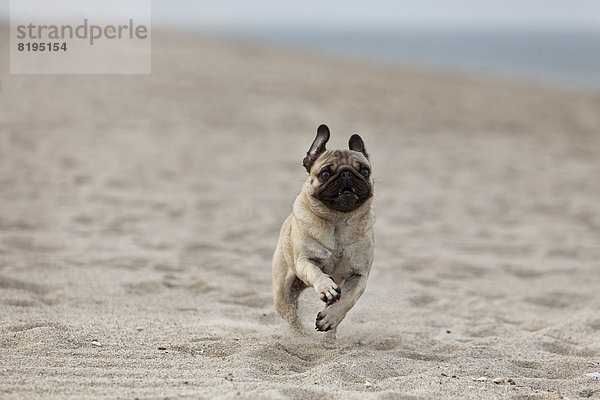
<point>342,251</point>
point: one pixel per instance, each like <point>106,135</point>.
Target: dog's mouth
<point>344,195</point>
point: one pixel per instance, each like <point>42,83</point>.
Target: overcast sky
<point>370,13</point>
<point>545,13</point>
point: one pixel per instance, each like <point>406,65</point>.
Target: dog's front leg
<point>334,313</point>
<point>311,275</point>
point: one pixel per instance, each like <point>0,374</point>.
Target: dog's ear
<point>317,147</point>
<point>356,143</point>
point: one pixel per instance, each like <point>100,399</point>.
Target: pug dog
<point>327,241</point>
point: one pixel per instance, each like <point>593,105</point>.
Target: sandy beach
<point>139,214</point>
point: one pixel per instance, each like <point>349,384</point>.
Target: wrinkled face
<point>341,179</point>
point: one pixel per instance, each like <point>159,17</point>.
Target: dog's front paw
<point>328,291</point>
<point>327,319</point>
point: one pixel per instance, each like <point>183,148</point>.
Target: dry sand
<point>141,212</point>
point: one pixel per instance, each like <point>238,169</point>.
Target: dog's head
<point>340,179</point>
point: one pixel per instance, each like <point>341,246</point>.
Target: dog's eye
<point>365,172</point>
<point>324,175</point>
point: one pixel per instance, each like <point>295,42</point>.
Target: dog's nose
<point>346,177</point>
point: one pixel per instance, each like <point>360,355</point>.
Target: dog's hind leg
<point>329,338</point>
<point>286,289</point>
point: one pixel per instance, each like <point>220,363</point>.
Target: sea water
<point>567,58</point>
